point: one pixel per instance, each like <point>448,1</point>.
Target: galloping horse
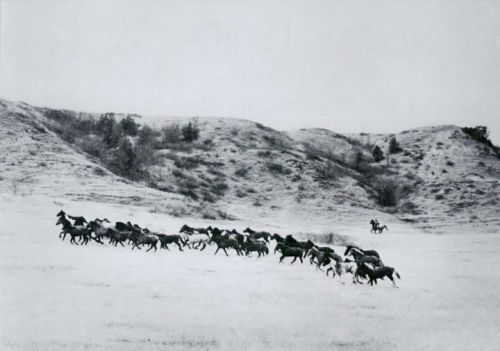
<point>74,231</point>
<point>258,235</point>
<point>77,220</point>
<point>377,228</point>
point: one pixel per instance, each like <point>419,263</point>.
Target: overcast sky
<point>350,66</point>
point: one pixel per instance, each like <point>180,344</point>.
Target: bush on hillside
<point>147,136</point>
<point>481,134</point>
<point>377,153</point>
<point>190,131</point>
<point>394,147</point>
<point>387,194</point>
<point>171,134</point>
<point>278,168</point>
<point>128,126</point>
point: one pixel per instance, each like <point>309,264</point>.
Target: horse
<point>361,257</point>
<point>118,237</point>
<point>73,231</point>
<point>77,221</point>
<point>190,230</point>
<point>198,240</point>
<point>170,239</point>
<point>366,252</point>
<point>290,241</point>
<point>375,273</point>
<point>287,251</point>
<point>325,249</point>
<point>120,226</point>
<point>96,226</point>
<point>223,243</point>
<point>255,246</point>
<point>341,267</point>
<point>214,230</point>
<point>258,235</point>
<point>323,258</point>
<point>147,239</point>
<point>278,238</point>
<point>376,227</point>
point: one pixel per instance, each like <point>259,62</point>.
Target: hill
<point>237,169</point>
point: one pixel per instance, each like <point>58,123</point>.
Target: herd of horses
<point>361,264</point>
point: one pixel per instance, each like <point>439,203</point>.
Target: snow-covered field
<point>55,296</point>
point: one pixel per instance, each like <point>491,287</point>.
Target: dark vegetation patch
<point>277,168</point>
<point>481,134</point>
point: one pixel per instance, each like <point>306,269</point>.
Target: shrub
<point>147,136</point>
<point>479,133</point>
<point>241,172</point>
<point>171,134</point>
<point>128,126</point>
<point>219,188</point>
<point>387,194</point>
<point>190,131</point>
<point>275,141</point>
<point>107,127</point>
<point>186,162</point>
<point>394,146</point>
<point>450,163</point>
<point>266,153</point>
<point>278,168</point>
<point>240,193</point>
<point>92,145</point>
<point>326,172</point>
<point>124,159</point>
<point>377,153</point>
<point>208,197</point>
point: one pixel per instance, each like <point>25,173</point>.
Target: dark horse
<point>190,230</point>
<point>290,241</point>
<point>77,220</point>
<point>287,251</point>
<point>380,273</point>
<point>257,235</point>
<point>224,243</point>
<point>377,228</point>
<point>73,231</point>
<point>278,238</point>
<point>170,239</point>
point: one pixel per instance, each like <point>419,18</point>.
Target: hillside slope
<point>241,169</point>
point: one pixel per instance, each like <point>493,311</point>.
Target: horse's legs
<point>226,251</point>
<point>294,259</point>
<point>179,245</point>
<point>281,258</point>
<point>204,246</point>
<point>150,247</point>
<point>218,247</point>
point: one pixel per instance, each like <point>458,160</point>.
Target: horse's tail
<point>397,274</point>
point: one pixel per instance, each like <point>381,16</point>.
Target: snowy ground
<point>55,296</point>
